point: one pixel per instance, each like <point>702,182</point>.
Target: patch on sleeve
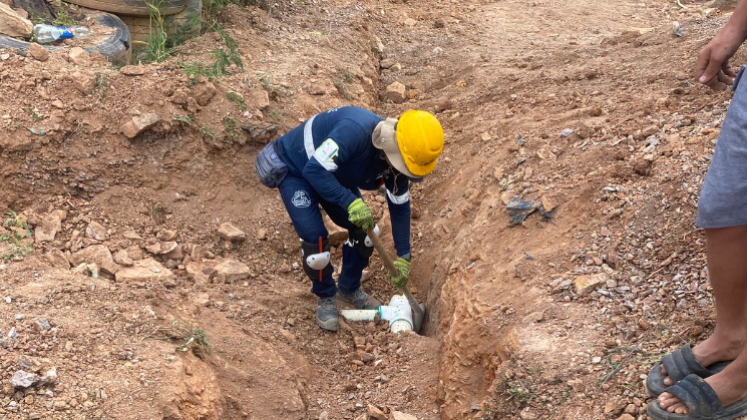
<point>326,154</point>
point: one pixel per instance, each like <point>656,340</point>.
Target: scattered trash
<point>47,34</point>
<point>519,210</point>
<point>567,132</point>
<point>676,28</point>
<point>38,131</point>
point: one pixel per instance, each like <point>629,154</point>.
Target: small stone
<point>586,284</point>
<point>47,230</point>
<point>567,132</point>
<point>122,258</point>
<point>148,270</point>
<point>398,415</point>
<point>139,124</point>
<point>38,52</point>
<point>396,92</point>
<point>79,56</point>
<point>410,22</point>
<point>96,231</point>
<point>230,271</point>
<point>262,234</point>
<point>376,414</point>
<point>58,104</point>
<point>97,254</point>
<point>132,70</point>
<point>288,336</point>
<point>231,233</point>
<point>387,63</point>
<point>650,130</point>
<point>324,415</point>
<point>631,409</point>
<point>84,82</point>
<point>368,358</point>
<point>203,92</point>
<point>24,380</point>
<point>626,417</point>
<point>42,325</point>
<point>534,317</point>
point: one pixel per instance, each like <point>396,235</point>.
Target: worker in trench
<point>709,381</point>
<point>324,163</point>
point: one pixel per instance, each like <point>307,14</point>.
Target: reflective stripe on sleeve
<point>398,199</point>
<point>308,137</point>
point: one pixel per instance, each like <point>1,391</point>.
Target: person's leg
<point>302,204</point>
<point>727,266</point>
<point>355,258</point>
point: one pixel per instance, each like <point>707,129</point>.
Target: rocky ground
<point>147,275</point>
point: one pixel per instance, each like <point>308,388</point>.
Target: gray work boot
<point>360,299</point>
<point>327,316</point>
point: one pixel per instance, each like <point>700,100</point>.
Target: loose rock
<point>396,92</point>
<point>83,81</point>
<point>231,233</point>
<point>79,56</point>
<point>203,92</point>
<point>398,415</point>
<point>96,231</point>
<point>38,52</point>
<point>99,255</point>
<point>138,124</point>
<point>147,270</point>
<point>230,271</point>
<point>24,380</point>
<point>588,283</point>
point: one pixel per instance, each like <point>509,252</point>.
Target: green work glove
<point>403,269</point>
<point>360,215</point>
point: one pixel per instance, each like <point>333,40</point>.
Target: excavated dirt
<point>117,276</point>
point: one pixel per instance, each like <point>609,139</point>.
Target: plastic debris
<point>519,210</point>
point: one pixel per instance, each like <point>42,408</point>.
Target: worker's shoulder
<point>351,114</point>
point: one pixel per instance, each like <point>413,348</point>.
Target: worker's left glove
<point>402,264</point>
<point>360,215</point>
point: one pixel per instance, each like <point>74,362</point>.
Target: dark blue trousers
<point>302,203</point>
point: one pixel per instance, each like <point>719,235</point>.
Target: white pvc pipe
<point>398,313</point>
<point>359,314</point>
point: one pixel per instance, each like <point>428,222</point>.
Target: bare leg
<point>727,266</point>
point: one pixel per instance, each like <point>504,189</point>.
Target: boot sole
<point>331,325</point>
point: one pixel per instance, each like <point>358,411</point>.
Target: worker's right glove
<point>403,273</point>
<point>360,215</point>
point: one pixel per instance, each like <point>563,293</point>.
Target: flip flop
<point>701,400</point>
<point>680,363</point>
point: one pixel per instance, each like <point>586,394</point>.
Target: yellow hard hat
<point>420,138</point>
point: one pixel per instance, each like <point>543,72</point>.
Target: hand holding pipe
<point>417,311</point>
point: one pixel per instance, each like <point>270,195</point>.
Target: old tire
<point>132,7</point>
<point>116,48</point>
<point>185,24</point>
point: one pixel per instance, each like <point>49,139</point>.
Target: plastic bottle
<point>46,34</point>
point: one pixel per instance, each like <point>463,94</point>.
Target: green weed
<point>236,97</point>
<point>158,49</point>
<point>34,116</point>
<point>186,119</point>
<point>229,127</point>
<point>18,239</point>
<point>190,338</point>
<point>63,18</point>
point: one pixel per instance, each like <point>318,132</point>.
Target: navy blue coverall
<point>330,158</point>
